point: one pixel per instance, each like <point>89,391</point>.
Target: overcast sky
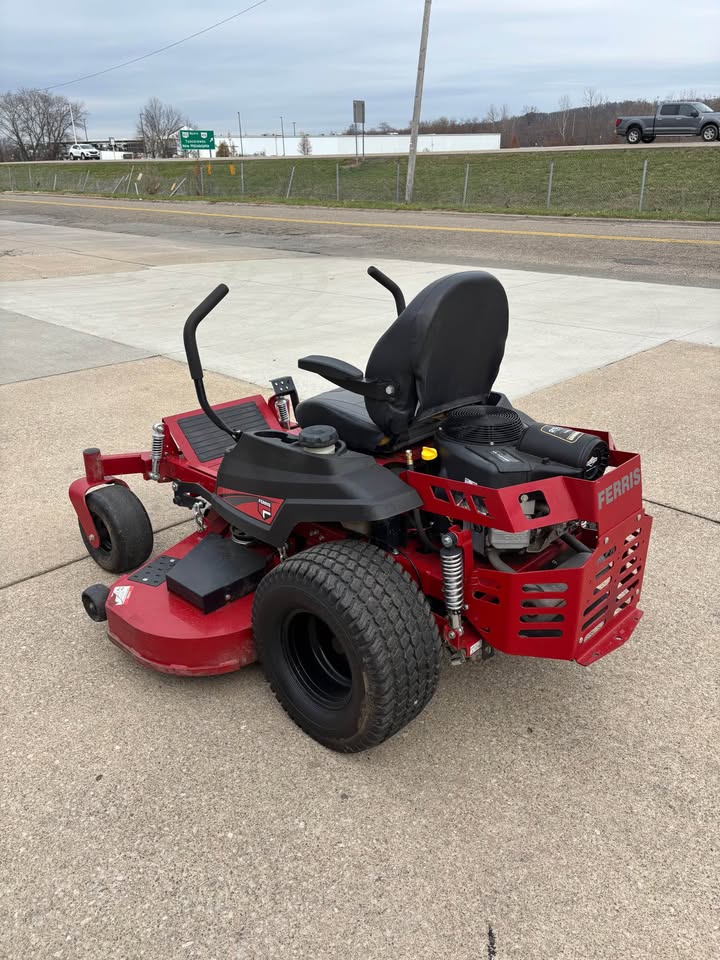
<point>308,59</point>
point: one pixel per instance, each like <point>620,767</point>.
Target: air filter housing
<point>479,424</point>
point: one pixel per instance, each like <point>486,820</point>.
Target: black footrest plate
<point>209,442</point>
<point>215,572</point>
<point>154,573</point>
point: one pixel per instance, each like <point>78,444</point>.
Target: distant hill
<point>593,121</point>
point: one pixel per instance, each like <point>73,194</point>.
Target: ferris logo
<point>618,488</point>
<point>265,509</point>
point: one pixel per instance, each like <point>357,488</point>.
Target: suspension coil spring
<point>282,412</point>
<point>156,450</point>
<point>453,577</point>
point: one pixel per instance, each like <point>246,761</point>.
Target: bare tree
<point>594,108</point>
<point>304,146</point>
<point>492,116</point>
<point>157,125</point>
<point>36,123</point>
<point>563,117</point>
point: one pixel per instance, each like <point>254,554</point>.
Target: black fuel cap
<point>318,436</point>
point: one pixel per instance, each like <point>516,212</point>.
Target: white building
<point>344,145</point>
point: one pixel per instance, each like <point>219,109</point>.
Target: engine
<point>497,446</point>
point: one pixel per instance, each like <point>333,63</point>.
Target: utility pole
<point>412,156</point>
<point>72,121</point>
<point>282,134</point>
<point>242,153</point>
<point>293,123</point>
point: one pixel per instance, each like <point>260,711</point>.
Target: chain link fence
<point>627,184</point>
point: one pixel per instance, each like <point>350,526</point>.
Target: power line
<point>145,56</point>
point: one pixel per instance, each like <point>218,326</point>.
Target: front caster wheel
<point>347,642</point>
<point>94,599</point>
<point>124,528</point>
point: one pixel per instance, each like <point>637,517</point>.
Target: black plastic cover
<point>215,572</point>
<point>298,486</point>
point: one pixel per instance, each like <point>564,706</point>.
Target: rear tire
<point>347,643</point>
<point>126,536</point>
<point>709,133</point>
<point>634,135</point>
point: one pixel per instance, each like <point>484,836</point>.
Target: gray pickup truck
<point>677,119</point>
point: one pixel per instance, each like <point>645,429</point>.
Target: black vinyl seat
<point>443,352</point>
<point>346,412</point>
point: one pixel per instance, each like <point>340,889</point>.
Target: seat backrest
<point>443,351</point>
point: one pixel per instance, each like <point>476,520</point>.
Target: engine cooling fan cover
<point>484,424</point>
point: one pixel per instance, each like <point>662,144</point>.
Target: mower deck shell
<point>166,633</point>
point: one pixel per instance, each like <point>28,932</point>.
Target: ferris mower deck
<point>410,510</point>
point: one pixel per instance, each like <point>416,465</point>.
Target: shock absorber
<point>453,582</point>
<point>158,438</point>
<point>282,412</point>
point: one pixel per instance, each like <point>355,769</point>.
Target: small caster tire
<point>126,536</point>
<point>94,600</point>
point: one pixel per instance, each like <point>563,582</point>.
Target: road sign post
<point>359,117</point>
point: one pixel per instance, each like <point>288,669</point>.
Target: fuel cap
<point>318,438</point>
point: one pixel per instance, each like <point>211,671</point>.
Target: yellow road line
<point>354,223</point>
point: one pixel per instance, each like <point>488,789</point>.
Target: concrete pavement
<point>535,809</point>
<point>286,305</point>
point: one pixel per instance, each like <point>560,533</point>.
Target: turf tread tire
<point>129,527</point>
<point>385,617</point>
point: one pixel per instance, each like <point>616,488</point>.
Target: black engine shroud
<point>497,446</point>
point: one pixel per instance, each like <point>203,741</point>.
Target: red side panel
<point>604,502</point>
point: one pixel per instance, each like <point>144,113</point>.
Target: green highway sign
<point>197,139</point>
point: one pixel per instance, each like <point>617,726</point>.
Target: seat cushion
<point>346,412</point>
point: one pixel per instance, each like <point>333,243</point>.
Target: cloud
<point>308,59</point>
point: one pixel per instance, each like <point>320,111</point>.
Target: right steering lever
<point>390,285</point>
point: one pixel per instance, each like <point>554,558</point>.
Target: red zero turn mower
<point>410,511</point>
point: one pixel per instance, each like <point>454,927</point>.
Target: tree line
<point>36,124</point>
<point>589,122</point>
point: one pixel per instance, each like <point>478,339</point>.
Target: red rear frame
<point>597,603</point>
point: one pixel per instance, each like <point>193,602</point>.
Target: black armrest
<point>348,377</point>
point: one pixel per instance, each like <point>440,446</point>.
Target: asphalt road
<point>685,253</point>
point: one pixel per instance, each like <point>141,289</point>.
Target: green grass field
<point>681,182</point>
